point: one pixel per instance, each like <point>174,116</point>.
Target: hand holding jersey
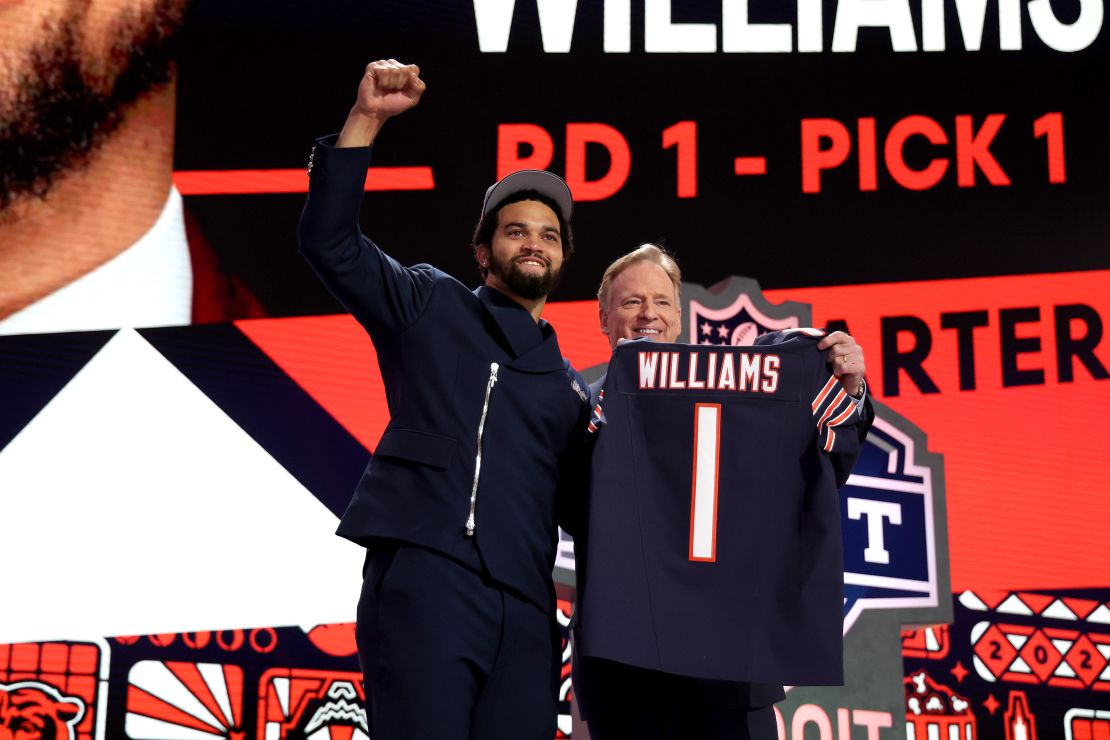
<point>846,361</point>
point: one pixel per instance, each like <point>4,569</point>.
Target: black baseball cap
<point>542,181</point>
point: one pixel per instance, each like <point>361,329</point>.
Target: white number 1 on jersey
<point>703,503</point>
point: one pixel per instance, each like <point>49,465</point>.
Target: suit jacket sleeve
<point>843,462</point>
<point>574,473</point>
<point>383,295</point>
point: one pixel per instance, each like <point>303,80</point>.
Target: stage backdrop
<point>929,176</point>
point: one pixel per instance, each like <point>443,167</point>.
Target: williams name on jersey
<point>739,371</point>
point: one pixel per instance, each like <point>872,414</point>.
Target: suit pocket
<point>425,448</point>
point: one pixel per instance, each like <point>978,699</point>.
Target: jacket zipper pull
<point>471,524</point>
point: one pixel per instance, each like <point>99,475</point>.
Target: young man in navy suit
<point>458,507</point>
<point>639,299</point>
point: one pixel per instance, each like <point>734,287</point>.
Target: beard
<point>56,112</point>
<point>527,286</point>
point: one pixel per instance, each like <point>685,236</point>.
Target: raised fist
<point>388,88</point>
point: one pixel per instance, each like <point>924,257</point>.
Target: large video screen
<point>185,409</point>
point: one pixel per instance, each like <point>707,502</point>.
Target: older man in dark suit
<point>624,689</point>
<point>456,629</point>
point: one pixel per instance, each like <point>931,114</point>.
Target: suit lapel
<point>534,347</point>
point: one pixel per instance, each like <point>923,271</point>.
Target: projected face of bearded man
<point>78,77</point>
<point>68,73</point>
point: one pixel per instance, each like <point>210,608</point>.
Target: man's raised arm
<point>371,285</point>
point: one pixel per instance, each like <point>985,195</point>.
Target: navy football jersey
<point>712,545</point>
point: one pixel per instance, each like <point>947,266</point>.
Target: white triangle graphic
<point>213,675</point>
<point>1058,610</point>
<point>281,689</point>
<point>142,508</point>
<point>973,602</point>
<point>1014,605</point>
<point>1100,615</point>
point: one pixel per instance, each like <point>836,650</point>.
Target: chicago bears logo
<point>35,711</point>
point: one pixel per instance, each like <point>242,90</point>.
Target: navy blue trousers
<point>623,702</point>
<point>447,654</point>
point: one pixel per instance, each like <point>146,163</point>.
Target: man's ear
<point>481,253</point>
<point>603,316</point>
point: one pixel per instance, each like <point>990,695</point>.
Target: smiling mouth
<point>648,332</point>
<point>535,261</point>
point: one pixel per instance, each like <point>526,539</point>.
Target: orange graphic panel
<point>1008,376</point>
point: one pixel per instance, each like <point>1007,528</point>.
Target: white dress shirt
<point>148,284</point>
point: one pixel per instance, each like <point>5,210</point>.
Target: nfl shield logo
<point>734,312</point>
<point>738,324</point>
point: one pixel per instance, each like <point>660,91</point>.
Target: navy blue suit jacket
<point>436,341</point>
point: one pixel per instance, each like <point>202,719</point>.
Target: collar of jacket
<point>533,346</point>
